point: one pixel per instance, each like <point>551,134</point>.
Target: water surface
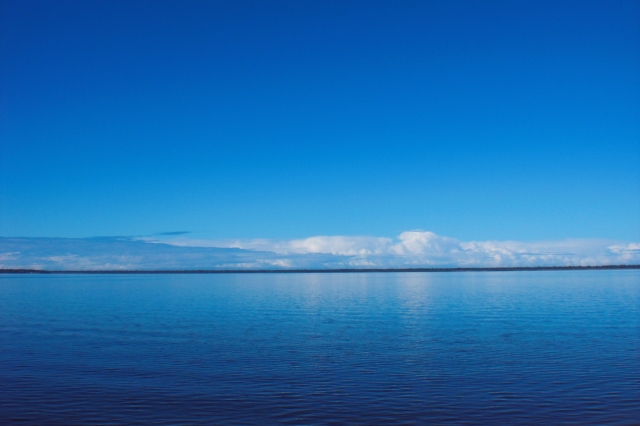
<point>398,348</point>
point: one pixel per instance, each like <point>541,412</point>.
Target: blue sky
<point>476,120</point>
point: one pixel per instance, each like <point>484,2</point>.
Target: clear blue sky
<point>285,119</point>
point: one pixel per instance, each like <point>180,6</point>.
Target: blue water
<point>414,348</point>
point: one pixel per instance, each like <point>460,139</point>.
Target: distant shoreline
<point>317,271</point>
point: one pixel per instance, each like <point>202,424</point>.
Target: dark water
<point>414,348</point>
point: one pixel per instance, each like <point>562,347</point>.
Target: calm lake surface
<point>387,348</point>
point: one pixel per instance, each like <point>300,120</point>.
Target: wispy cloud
<point>409,249</point>
<point>173,233</point>
<point>425,248</point>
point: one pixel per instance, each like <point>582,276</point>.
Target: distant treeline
<point>319,271</point>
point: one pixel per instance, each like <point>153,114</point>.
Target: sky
<point>507,121</point>
<point>412,249</point>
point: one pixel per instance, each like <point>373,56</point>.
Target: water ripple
<point>518,348</point>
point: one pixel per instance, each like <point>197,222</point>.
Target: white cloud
<point>338,245</point>
<point>9,256</point>
<point>409,249</point>
<point>425,248</point>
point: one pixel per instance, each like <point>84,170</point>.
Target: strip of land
<point>316,271</point>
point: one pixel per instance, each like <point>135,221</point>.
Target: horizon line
<point>315,271</point>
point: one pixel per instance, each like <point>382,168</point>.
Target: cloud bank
<point>410,249</point>
<point>425,248</point>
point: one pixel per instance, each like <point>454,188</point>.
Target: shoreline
<point>318,271</point>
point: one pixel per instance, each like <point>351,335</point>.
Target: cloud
<point>174,233</point>
<point>424,248</point>
<point>409,249</point>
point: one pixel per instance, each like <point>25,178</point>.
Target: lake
<point>360,348</point>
